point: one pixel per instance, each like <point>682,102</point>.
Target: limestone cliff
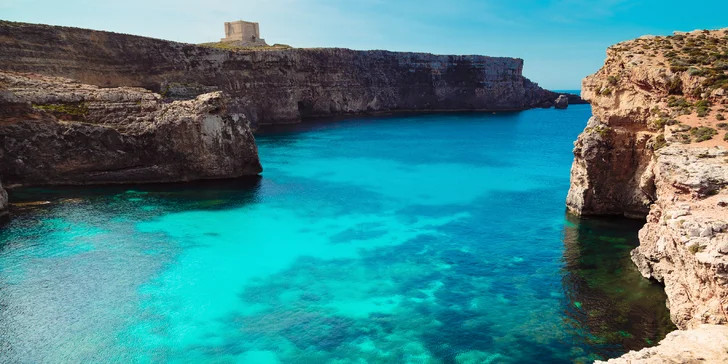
<point>685,241</point>
<point>650,91</point>
<point>275,85</point>
<point>653,149</point>
<point>59,131</point>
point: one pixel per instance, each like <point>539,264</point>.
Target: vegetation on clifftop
<point>693,67</point>
<point>78,109</point>
<point>230,46</point>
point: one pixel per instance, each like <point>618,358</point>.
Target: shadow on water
<point>183,196</point>
<point>29,206</point>
<point>616,309</point>
<point>349,121</point>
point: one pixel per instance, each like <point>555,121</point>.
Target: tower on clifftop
<point>243,33</point>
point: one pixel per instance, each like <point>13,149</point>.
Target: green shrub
<point>606,92</point>
<point>661,122</point>
<point>678,102</point>
<point>721,65</point>
<point>692,71</point>
<point>703,108</point>
<point>675,86</point>
<point>703,133</point>
<point>659,142</point>
<point>613,80</point>
<point>718,80</point>
<point>720,117</point>
<point>71,109</point>
<point>696,248</point>
<point>725,137</point>
<point>230,46</point>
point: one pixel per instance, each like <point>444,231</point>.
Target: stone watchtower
<point>243,33</point>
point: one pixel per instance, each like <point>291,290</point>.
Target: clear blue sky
<point>561,41</point>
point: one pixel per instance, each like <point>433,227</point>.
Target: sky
<point>561,41</point>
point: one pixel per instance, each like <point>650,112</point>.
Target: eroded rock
<point>638,157</point>
<point>58,131</point>
<point>562,102</point>
<point>704,344</point>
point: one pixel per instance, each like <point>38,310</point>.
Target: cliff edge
<point>655,148</point>
<point>274,85</point>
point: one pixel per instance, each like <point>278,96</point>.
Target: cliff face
<point>656,148</point>
<point>684,243</point>
<point>59,131</point>
<point>651,91</point>
<point>278,85</point>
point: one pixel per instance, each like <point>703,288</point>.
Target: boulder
<point>562,102</point>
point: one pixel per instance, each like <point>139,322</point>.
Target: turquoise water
<point>408,239</point>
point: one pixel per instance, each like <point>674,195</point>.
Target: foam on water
<point>410,239</point>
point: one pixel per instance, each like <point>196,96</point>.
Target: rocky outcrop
<point>685,241</point>
<point>706,344</point>
<point>650,150</point>
<point>606,176</point>
<point>274,85</point>
<point>576,99</point>
<point>562,102</point>
<point>59,131</point>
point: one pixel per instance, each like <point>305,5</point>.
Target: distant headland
<point>195,105</point>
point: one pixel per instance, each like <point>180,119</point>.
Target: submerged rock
<point>58,131</point>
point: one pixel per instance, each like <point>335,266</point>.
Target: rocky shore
<point>655,148</point>
<point>705,344</point>
<point>274,85</point>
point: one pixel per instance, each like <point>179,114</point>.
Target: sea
<point>437,238</point>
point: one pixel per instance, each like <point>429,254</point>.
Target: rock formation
<point>562,102</point>
<point>706,344</point>
<point>59,131</point>
<point>652,149</point>
<point>576,99</point>
<point>274,85</point>
<point>685,242</point>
